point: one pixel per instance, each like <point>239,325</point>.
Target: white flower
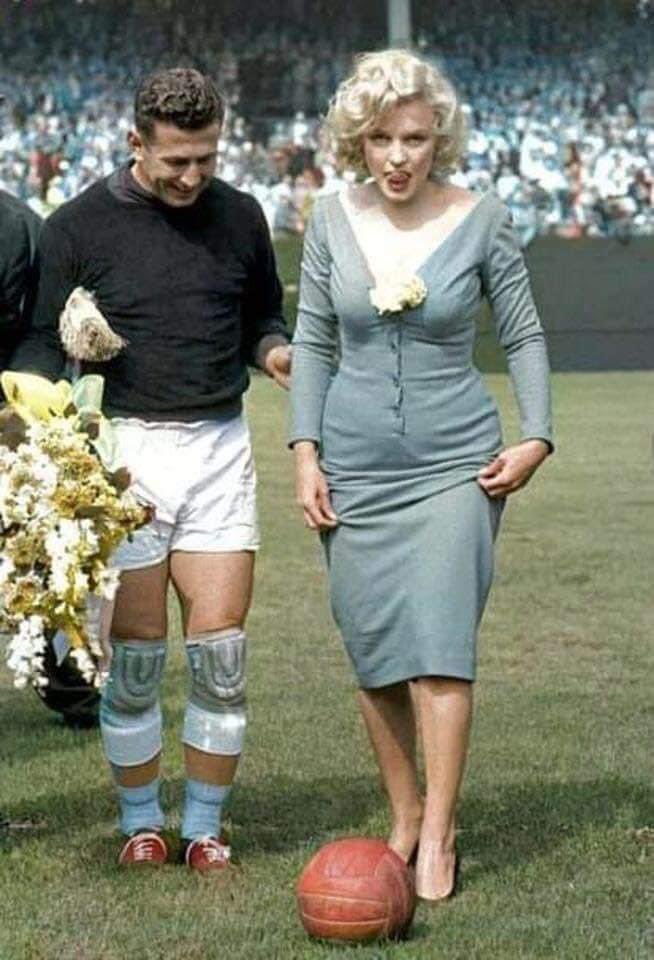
<point>44,474</point>
<point>63,538</point>
<point>107,581</point>
<point>398,293</point>
<point>89,537</point>
<point>86,665</point>
<point>6,569</point>
<point>25,653</point>
<point>80,583</point>
<point>59,580</point>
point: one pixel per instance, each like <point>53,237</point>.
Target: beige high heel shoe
<point>454,889</point>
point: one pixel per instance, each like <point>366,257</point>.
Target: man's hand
<point>512,468</point>
<point>277,364</point>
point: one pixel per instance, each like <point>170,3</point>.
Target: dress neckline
<point>426,261</point>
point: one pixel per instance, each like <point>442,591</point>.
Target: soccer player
<point>182,267</point>
<point>19,230</point>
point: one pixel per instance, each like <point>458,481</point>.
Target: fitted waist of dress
<point>408,372</point>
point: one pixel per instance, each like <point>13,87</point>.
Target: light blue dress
<point>404,423</point>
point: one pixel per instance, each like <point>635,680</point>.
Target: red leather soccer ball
<point>356,889</point>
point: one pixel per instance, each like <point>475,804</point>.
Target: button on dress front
<point>404,423</point>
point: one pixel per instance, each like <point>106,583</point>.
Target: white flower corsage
<point>85,333</point>
<point>397,294</point>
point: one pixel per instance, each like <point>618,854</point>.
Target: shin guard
<point>215,720</point>
<point>130,715</point>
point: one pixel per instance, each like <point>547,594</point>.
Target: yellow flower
<point>22,597</point>
<point>25,549</point>
<point>36,398</point>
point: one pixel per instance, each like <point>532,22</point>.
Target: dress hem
<point>454,668</point>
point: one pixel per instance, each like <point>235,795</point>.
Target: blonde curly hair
<point>380,81</point>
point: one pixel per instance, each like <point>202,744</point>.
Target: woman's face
<point>399,150</point>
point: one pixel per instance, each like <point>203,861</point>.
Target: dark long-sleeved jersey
<point>192,290</point>
<point>19,228</point>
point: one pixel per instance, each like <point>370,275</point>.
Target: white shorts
<point>200,479</point>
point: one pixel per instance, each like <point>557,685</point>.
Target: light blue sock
<point>140,808</point>
<point>203,808</point>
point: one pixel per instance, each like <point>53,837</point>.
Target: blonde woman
<point>399,458</point>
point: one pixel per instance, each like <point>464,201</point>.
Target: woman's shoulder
<point>324,218</point>
<point>491,213</point>
<point>349,200</point>
<point>466,200</point>
<point>459,197</point>
<point>346,202</point>
<point>322,210</point>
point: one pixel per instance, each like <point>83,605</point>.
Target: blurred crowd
<point>559,98</point>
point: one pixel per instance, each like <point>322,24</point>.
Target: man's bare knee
<point>138,631</point>
<point>215,589</point>
<point>210,621</point>
<point>203,614</point>
<point>140,610</point>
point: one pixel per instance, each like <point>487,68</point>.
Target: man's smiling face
<point>175,165</point>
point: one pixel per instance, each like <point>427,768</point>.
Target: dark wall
<point>596,301</point>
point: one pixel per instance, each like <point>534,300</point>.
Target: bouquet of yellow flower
<point>64,508</point>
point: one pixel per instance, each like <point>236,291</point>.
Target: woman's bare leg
<point>445,707</point>
<point>390,722</point>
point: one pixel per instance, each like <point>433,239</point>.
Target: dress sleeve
<point>41,350</point>
<point>519,330</point>
<point>316,335</point>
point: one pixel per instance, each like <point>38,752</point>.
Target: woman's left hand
<point>512,468</point>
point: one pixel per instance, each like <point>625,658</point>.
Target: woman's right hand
<point>311,490</point>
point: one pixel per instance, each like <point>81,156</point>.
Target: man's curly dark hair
<point>180,96</point>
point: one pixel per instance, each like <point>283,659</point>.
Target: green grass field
<point>557,819</point>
